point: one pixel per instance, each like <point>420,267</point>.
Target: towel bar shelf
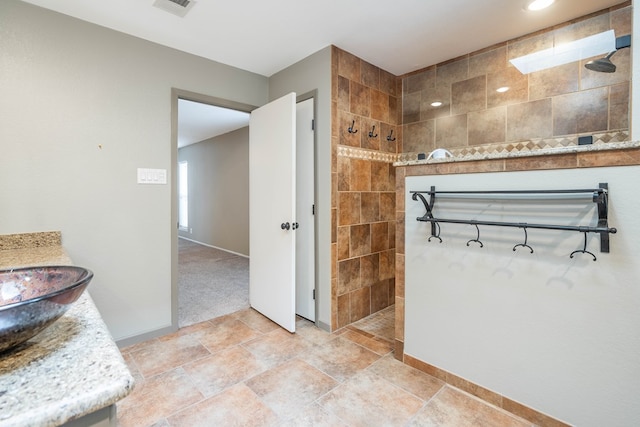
<point>598,195</point>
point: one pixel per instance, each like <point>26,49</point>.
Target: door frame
<point>299,98</point>
<point>177,94</point>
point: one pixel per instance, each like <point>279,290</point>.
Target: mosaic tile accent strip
<point>359,153</point>
<point>602,141</point>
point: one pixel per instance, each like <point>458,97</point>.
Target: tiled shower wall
<point>367,100</point>
<point>556,105</point>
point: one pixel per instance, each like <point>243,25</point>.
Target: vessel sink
<point>32,298</point>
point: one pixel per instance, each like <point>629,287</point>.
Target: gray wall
<point>81,108</point>
<point>314,73</point>
<point>219,191</point>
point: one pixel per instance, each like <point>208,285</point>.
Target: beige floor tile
<point>313,416</point>
<point>373,343</point>
<point>311,332</point>
<point>404,376</point>
<point>226,332</point>
<point>256,320</point>
<point>291,386</point>
<point>156,398</point>
<point>368,400</point>
<point>224,369</point>
<point>276,347</point>
<point>164,355</point>
<point>339,358</point>
<point>236,406</point>
<point>455,408</point>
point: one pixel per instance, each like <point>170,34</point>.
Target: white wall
<point>81,108</point>
<point>314,73</point>
<point>219,191</point>
<point>557,334</point>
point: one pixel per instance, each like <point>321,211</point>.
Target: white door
<point>272,190</point>
<point>305,200</point>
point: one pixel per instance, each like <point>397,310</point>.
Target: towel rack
<point>598,195</point>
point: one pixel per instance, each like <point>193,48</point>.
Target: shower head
<point>602,65</point>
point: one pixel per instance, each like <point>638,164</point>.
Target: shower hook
<point>584,248</point>
<point>477,239</point>
<point>524,245</point>
<point>437,235</point>
<point>389,138</point>
<point>371,134</point>
<point>351,130</point>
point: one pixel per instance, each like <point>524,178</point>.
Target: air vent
<point>175,7</point>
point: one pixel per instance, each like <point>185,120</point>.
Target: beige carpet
<point>211,283</point>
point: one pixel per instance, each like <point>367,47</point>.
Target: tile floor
<point>243,370</point>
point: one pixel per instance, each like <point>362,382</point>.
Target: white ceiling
<point>197,122</point>
<point>265,37</point>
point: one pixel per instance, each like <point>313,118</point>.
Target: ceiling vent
<point>175,7</point>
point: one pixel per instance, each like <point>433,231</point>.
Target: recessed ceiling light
<point>538,4</point>
<point>436,104</point>
<point>502,89</point>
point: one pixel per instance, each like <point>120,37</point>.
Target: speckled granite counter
<point>69,370</point>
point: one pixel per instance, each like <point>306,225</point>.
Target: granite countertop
<point>71,369</point>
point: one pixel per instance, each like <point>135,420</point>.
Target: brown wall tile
<point>360,304</point>
<point>369,269</point>
<point>439,93</point>
<point>451,131</point>
<point>419,137</point>
<point>369,207</point>
<point>581,112</point>
<point>380,106</point>
<point>592,79</point>
<point>348,65</point>
<point>370,137</point>
<point>554,81</point>
<point>360,179</point>
<point>529,120</point>
<point>379,236</point>
<point>344,174</point>
<point>387,264</point>
<point>620,21</point>
<point>387,206</point>
<point>348,275</point>
<point>382,176</point>
<point>469,95</point>
<point>379,296</point>
<point>619,106</point>
<point>349,121</point>
<point>510,77</point>
<point>609,158</point>
<point>360,99</point>
<point>369,75</point>
<point>360,240</point>
<point>487,62</point>
<point>452,72</point>
<point>344,92</point>
<point>349,208</point>
<point>411,107</point>
<point>344,234</point>
<point>343,315</point>
<point>419,82</point>
<point>487,126</point>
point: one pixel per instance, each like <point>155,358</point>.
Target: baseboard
<point>126,342</point>
<point>516,408</point>
<point>214,247</point>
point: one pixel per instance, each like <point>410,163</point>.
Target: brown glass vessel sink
<point>32,298</point>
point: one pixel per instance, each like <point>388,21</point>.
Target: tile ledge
<point>519,154</point>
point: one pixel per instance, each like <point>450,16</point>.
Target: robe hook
<point>372,134</point>
<point>524,245</point>
<point>584,248</point>
<point>351,130</point>
<point>389,138</point>
<point>477,239</point>
<point>437,235</point>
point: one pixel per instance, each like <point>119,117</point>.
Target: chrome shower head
<point>602,65</point>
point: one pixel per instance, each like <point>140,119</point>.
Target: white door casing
<point>305,200</point>
<point>272,221</point>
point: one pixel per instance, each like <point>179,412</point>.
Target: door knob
<point>285,226</point>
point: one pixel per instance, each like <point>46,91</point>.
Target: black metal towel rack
<point>599,196</point>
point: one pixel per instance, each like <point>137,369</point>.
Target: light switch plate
<point>152,176</point>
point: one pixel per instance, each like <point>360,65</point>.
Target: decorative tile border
<point>360,153</point>
<point>603,141</point>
